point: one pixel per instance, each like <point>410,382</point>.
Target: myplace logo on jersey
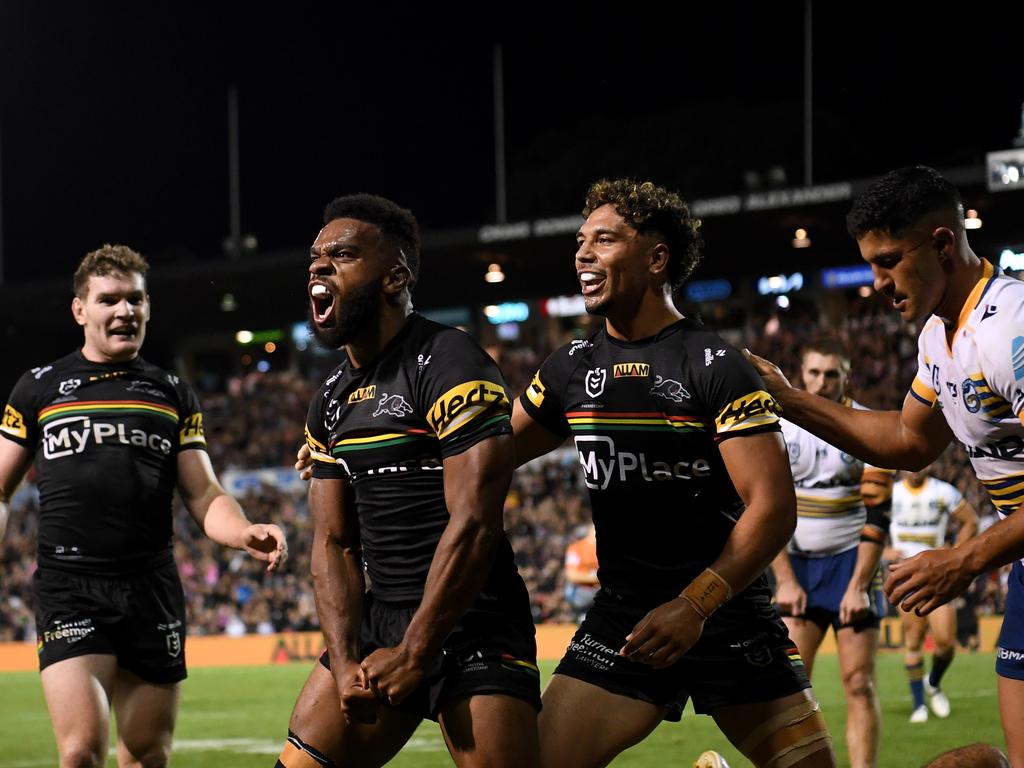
<point>464,403</point>
<point>602,463</point>
<point>631,370</point>
<point>66,437</point>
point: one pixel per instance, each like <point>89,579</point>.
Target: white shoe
<point>712,759</point>
<point>919,715</point>
<point>937,701</point>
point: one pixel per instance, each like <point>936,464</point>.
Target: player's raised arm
<point>910,438</point>
<point>220,516</point>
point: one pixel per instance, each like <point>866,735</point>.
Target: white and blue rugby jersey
<point>920,515</point>
<point>978,382</point>
<point>830,510</point>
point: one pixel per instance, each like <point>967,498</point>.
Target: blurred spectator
<point>581,571</point>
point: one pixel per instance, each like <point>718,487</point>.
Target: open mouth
<point>124,332</point>
<point>591,282</point>
<point>322,300</point>
<point>899,303</point>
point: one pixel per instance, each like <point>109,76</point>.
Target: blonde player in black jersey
<point>692,495</point>
<point>112,436</point>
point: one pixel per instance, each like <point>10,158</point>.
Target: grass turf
<point>235,717</point>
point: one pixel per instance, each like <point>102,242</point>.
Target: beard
<point>356,315</point>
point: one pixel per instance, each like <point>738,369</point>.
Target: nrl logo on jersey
<point>68,386</point>
<point>595,381</point>
<point>393,405</point>
<point>363,393</point>
<point>631,370</point>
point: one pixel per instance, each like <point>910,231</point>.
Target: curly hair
<point>396,223</point>
<point>107,260</point>
<point>900,199</point>
<point>649,208</point>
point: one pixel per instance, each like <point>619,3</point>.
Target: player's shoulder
<point>328,384</point>
<point>999,315</point>
<point>426,336</point>
<point>48,375</point>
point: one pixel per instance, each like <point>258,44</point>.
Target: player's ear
<point>944,242</point>
<point>659,259</point>
<point>148,308</point>
<point>78,310</point>
<point>397,279</point>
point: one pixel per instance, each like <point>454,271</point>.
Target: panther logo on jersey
<point>670,389</point>
<point>393,405</point>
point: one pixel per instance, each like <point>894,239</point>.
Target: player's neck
<point>652,316</point>
<point>370,344</point>
<point>967,273</point>
<point>93,355</point>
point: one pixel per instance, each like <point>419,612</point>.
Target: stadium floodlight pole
<point>808,97</point>
<point>500,211</point>
<point>234,185</point>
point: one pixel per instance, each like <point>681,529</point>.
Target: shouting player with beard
<point>411,444</point>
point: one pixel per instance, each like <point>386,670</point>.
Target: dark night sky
<point>113,117</point>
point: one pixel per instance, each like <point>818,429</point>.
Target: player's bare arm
<point>219,515</point>
<point>789,595</point>
<point>924,582</point>
<point>967,517</point>
<point>14,463</point>
<point>855,603</point>
<point>476,482</point>
<point>759,468</point>
<point>908,439</point>
<point>531,438</point>
<point>338,585</point>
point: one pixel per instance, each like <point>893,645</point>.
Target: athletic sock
<point>915,676</point>
<point>939,667</point>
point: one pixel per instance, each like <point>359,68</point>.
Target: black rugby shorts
<point>139,619</point>
<point>488,652</point>
<point>744,655</point>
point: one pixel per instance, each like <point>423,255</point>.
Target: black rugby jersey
<point>106,438</point>
<point>388,426</point>
<point>646,418</point>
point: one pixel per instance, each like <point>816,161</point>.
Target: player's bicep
<point>758,466</point>
<point>197,482</point>
<point>15,460</point>
<point>476,480</point>
<point>531,438</point>
<point>922,430</point>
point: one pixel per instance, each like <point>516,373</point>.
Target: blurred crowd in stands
<point>256,421</point>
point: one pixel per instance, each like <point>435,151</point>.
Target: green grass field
<point>238,717</point>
